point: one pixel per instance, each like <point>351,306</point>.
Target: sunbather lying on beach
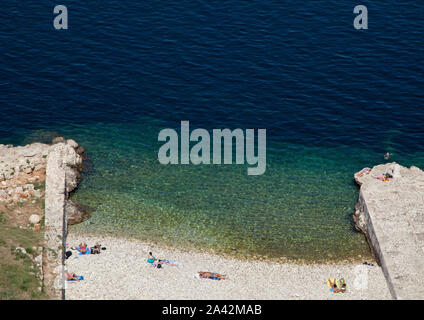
<point>151,259</point>
<point>211,275</point>
<point>82,248</point>
<point>168,262</point>
<point>96,249</point>
<point>332,283</point>
<point>71,277</point>
<point>343,285</point>
<point>362,172</point>
<point>385,177</point>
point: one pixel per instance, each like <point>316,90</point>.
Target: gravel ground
<point>121,272</point>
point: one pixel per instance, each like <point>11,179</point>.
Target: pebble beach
<point>121,272</point>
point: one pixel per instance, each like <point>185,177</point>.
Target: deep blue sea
<point>333,100</point>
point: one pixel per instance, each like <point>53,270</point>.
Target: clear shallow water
<point>332,99</point>
<point>299,209</point>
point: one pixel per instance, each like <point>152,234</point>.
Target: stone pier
<point>391,214</point>
<point>60,180</point>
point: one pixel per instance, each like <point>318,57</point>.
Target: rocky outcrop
<point>75,213</point>
<point>23,172</point>
<point>390,212</point>
<point>12,192</point>
<point>18,161</point>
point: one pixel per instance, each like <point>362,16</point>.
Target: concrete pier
<point>55,223</point>
<point>391,214</point>
<point>60,180</point>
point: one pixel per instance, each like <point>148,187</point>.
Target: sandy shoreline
<point>121,272</point>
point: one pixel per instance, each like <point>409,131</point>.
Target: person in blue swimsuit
<point>151,258</point>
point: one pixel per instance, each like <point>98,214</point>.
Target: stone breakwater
<point>24,171</point>
<point>391,214</point>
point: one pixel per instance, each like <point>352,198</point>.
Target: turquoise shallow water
<point>299,209</point>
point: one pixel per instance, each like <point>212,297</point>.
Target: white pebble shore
<point>121,272</point>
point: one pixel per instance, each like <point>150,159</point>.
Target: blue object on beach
<point>79,278</point>
<point>87,252</point>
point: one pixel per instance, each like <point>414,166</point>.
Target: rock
<point>24,194</point>
<point>39,166</point>
<point>34,219</point>
<point>29,187</point>
<point>415,169</point>
<point>39,259</point>
<point>72,143</point>
<point>359,219</point>
<point>58,140</point>
<point>3,194</point>
<point>73,177</point>
<point>74,212</point>
<point>38,193</point>
<point>80,150</point>
<point>21,250</point>
<point>19,190</point>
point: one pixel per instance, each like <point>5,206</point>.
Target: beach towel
<point>172,262</point>
<point>78,277</point>
<point>87,252</point>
